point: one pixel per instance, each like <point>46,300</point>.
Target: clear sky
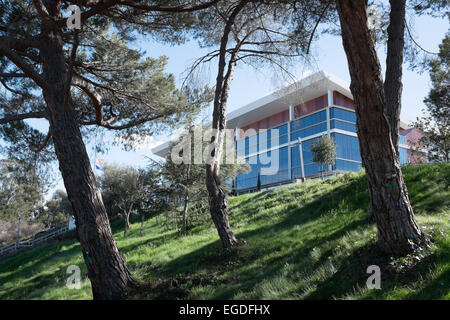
<point>249,84</point>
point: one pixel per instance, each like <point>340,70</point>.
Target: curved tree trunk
<point>216,195</point>
<point>218,208</point>
<point>126,219</point>
<point>393,85</point>
<point>141,232</point>
<point>393,78</point>
<point>107,270</point>
<point>398,233</point>
<point>185,211</point>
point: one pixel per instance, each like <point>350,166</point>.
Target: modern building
<point>318,104</point>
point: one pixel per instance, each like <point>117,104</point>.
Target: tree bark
<point>394,61</point>
<point>216,194</point>
<point>107,270</point>
<point>393,77</point>
<point>126,220</point>
<point>398,232</point>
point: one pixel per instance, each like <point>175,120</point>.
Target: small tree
<point>21,190</point>
<point>324,152</point>
<point>125,187</point>
<point>186,181</point>
<point>57,210</point>
<point>435,127</point>
<point>155,193</point>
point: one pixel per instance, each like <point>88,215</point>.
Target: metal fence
<point>13,247</point>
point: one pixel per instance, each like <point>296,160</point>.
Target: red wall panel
<point>343,101</point>
<point>269,122</point>
<point>311,106</point>
<point>413,137</point>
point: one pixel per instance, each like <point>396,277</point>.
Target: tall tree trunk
<point>398,233</point>
<point>126,220</point>
<point>107,270</point>
<point>175,220</point>
<point>186,202</point>
<point>393,77</point>
<point>185,211</point>
<point>141,232</point>
<point>216,195</point>
<point>394,62</point>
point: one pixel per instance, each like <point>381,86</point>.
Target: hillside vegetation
<point>304,241</point>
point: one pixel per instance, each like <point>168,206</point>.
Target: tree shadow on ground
<point>35,275</point>
<point>215,261</point>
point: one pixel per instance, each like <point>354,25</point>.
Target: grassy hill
<point>305,241</point>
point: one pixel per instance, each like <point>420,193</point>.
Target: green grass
<point>305,241</point>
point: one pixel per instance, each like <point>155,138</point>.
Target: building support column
<point>302,167</point>
<point>291,117</point>
<point>330,103</point>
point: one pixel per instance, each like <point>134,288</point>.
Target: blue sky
<point>250,84</point>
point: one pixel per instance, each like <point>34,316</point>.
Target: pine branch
<point>23,116</point>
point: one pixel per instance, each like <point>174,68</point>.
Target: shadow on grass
<point>216,261</point>
<point>436,289</point>
<point>34,275</point>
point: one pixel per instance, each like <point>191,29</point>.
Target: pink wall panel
<point>267,123</point>
<point>311,106</point>
<point>412,136</point>
<point>343,101</point>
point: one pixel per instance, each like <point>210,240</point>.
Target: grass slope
<point>305,241</point>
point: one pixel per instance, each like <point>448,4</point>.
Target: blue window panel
<point>295,158</point>
<point>403,154</point>
<point>342,114</point>
<point>296,173</point>
<point>240,153</point>
<point>347,165</point>
<point>284,139</point>
<point>307,157</point>
<point>246,183</point>
<point>264,140</point>
<point>253,149</point>
<point>279,137</point>
<point>309,131</point>
<point>307,154</point>
<point>336,124</point>
<point>402,139</point>
<point>282,130</point>
<point>311,169</point>
<point>280,141</point>
<point>240,144</point>
<point>281,176</point>
<point>253,140</point>
<point>253,169</point>
<point>284,158</point>
<point>308,120</point>
<point>347,147</point>
<point>276,159</point>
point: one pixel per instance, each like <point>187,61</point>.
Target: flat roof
<point>308,88</point>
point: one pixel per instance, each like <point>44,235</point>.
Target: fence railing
<point>12,247</point>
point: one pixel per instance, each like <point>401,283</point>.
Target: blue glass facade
<point>284,143</point>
